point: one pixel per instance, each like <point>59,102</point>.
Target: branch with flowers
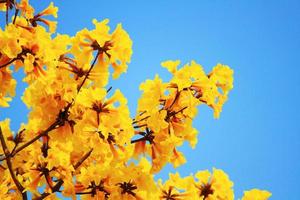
<point>80,139</point>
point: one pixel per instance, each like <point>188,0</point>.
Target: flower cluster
<point>166,110</point>
<point>80,139</point>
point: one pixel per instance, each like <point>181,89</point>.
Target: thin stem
<point>16,14</point>
<point>16,145</point>
<point>182,109</point>
<point>2,167</point>
<point>8,63</point>
<point>57,122</point>
<point>17,150</point>
<point>136,121</point>
<point>109,89</point>
<point>79,162</point>
<point>140,126</point>
<point>6,14</point>
<point>57,186</point>
<point>10,167</point>
<point>45,132</point>
<point>88,72</point>
<point>138,140</point>
<point>147,136</point>
<point>83,193</point>
<point>18,139</point>
<point>175,99</point>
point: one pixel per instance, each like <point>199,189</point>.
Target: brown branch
<point>9,62</point>
<point>56,187</point>
<point>88,72</point>
<point>59,122</point>
<point>18,139</point>
<point>43,133</point>
<point>83,193</point>
<point>136,121</point>
<point>140,126</point>
<point>6,13</point>
<point>182,109</point>
<point>175,99</point>
<point>16,14</point>
<point>79,162</point>
<point>1,167</point>
<point>109,89</point>
<point>147,136</point>
<point>10,167</point>
<point>138,140</point>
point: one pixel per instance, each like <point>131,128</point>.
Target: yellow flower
<point>121,51</point>
<point>10,44</point>
<point>214,186</point>
<point>256,194</point>
<point>178,158</point>
<point>156,121</point>
<point>26,9</point>
<point>171,66</point>
<point>222,78</point>
<point>7,87</point>
<point>50,10</point>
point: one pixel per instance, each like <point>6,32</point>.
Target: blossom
<point>256,194</point>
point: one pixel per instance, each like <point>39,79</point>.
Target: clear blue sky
<point>257,139</point>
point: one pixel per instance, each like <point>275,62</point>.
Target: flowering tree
<point>80,139</point>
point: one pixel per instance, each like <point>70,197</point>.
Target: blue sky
<point>257,139</point>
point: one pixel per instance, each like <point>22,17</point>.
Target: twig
<point>6,14</point>
<point>16,14</point>
<point>88,72</point>
<point>58,122</point>
<point>109,89</point>
<point>1,167</point>
<point>136,121</point>
<point>44,133</point>
<point>182,109</point>
<point>9,165</point>
<point>175,99</point>
<point>17,150</point>
<point>79,162</point>
<point>8,63</point>
<point>140,126</point>
<point>56,187</point>
<point>18,139</point>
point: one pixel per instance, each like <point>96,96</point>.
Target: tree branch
<point>8,63</point>
<point>58,121</point>
<point>17,150</point>
<point>10,167</point>
<point>62,117</point>
<point>88,73</point>
<point>16,14</point>
<point>6,13</point>
<point>56,187</point>
<point>44,133</point>
<point>79,162</point>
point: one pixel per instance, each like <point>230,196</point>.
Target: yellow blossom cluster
<point>80,139</point>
